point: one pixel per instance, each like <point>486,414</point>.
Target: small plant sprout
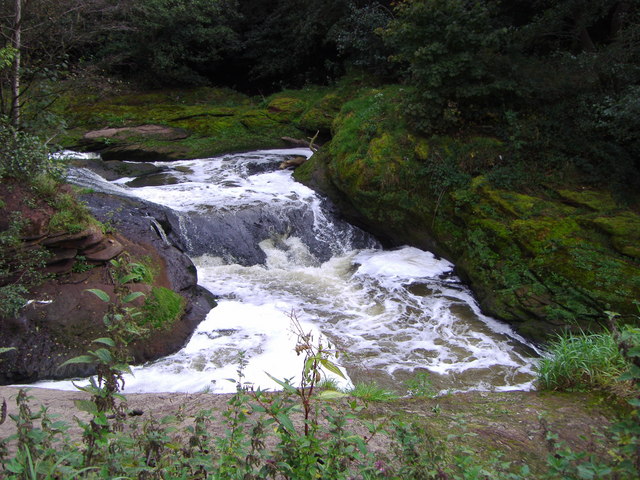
<point>317,357</point>
<point>420,386</point>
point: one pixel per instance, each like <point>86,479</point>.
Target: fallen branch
<point>298,142</point>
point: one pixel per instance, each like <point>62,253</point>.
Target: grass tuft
<point>580,362</point>
<point>371,392</point>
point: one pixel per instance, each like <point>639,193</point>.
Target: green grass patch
<point>371,392</point>
<point>71,216</point>
<point>162,308</point>
<point>581,362</point>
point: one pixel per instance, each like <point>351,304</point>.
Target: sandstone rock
<point>159,132</point>
<point>61,254</point>
<point>104,251</point>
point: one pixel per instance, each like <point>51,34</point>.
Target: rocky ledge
<point>62,319</point>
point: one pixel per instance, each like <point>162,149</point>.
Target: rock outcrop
<point>62,318</point>
<point>545,260</point>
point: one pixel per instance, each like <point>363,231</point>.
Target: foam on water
<point>226,183</point>
<point>391,312</point>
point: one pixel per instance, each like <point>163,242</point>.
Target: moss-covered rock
<point>544,261</point>
<point>321,115</point>
<point>181,123</point>
<point>285,109</point>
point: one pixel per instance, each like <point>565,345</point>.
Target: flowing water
<point>269,248</point>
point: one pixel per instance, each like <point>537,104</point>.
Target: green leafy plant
<point>24,157</point>
<point>81,265</point>
<point>420,386</point>
<point>21,268</point>
<point>111,360</point>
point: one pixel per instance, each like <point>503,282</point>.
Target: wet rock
<point>544,261</point>
<point>115,169</point>
<point>157,132</point>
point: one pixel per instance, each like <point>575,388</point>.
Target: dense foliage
<point>541,76</point>
<point>254,45</point>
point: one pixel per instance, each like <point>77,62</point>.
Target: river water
<point>389,313</point>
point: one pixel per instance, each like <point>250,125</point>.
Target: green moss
<point>421,148</point>
<point>593,200</point>
<point>321,115</point>
<point>258,120</point>
<point>215,121</point>
<point>625,225</point>
<point>285,109</point>
<point>542,262</point>
<point>162,308</point>
<point>545,234</point>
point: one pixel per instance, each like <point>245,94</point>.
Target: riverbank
<point>517,426</point>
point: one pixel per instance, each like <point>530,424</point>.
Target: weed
<point>111,361</point>
<point>81,265</point>
<point>162,308</point>
<point>581,361</point>
<point>420,386</point>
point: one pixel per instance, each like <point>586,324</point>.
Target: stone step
<point>61,254</point>
<point>104,251</point>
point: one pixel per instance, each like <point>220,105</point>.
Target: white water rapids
<point>391,313</point>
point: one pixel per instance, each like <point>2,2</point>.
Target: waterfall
<point>267,246</point>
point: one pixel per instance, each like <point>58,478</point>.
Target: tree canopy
<point>541,75</point>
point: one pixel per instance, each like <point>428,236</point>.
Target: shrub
<point>453,55</point>
<point>20,268</point>
<point>24,157</point>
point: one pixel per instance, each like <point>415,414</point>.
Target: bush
<point>20,269</point>
<point>452,52</point>
<point>24,157</point>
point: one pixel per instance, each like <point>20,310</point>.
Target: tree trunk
<point>15,81</point>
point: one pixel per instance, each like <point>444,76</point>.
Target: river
<point>389,313</point>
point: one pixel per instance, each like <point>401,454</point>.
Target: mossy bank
<point>551,256</point>
<point>198,123</point>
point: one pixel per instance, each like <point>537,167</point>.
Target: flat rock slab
<point>104,251</point>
